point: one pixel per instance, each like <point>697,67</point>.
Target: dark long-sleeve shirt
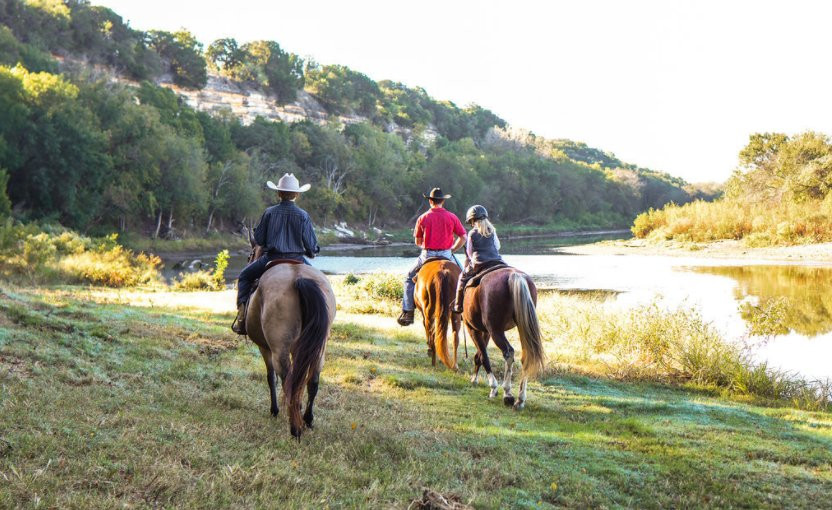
<point>286,230</point>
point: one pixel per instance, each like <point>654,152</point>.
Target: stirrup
<point>239,324</point>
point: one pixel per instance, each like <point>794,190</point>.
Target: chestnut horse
<point>434,293</point>
<point>503,299</point>
<point>289,318</point>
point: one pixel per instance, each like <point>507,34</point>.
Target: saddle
<point>277,262</point>
<point>269,265</point>
<point>475,280</point>
<point>431,259</point>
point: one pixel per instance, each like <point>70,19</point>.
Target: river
<point>731,294</point>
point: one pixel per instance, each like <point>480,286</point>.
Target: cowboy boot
<point>239,324</point>
<point>406,318</point>
<point>460,293</point>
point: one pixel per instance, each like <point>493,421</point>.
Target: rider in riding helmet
<point>284,232</point>
<point>434,234</point>
<point>482,250</point>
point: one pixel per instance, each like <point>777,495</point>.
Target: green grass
<point>105,404</point>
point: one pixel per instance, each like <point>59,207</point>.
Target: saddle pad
<point>434,259</point>
<point>277,262</point>
<point>473,282</point>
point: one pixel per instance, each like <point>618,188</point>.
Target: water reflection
<point>780,299</point>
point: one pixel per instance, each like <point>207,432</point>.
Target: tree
<point>183,54</point>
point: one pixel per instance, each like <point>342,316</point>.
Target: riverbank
<point>169,408</point>
<point>806,253</point>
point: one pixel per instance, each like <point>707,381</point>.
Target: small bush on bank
<point>205,280</point>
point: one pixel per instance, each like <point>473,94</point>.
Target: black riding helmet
<point>476,212</point>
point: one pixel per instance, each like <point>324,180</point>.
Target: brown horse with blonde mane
<point>434,293</point>
<point>289,318</point>
<point>505,298</point>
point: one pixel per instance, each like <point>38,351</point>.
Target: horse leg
<point>455,325</point>
<point>429,335</point>
<point>481,339</point>
<point>475,379</point>
<point>521,395</point>
<point>508,354</point>
<point>271,379</point>
<point>312,391</point>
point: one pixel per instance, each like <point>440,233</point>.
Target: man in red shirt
<point>434,234</point>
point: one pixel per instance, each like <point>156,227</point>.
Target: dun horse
<point>435,287</point>
<point>505,298</point>
<point>289,318</point>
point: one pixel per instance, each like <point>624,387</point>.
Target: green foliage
<point>220,265</point>
<point>342,90</point>
<point>99,156</point>
<point>260,62</point>
<point>183,54</point>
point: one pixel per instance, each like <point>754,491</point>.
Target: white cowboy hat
<point>288,183</point>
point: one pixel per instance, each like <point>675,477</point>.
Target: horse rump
<point>308,348</point>
<point>525,316</point>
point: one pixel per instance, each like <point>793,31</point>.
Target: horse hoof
<point>296,432</point>
<point>508,401</point>
<point>519,405</point>
<point>275,412</point>
<point>308,421</point>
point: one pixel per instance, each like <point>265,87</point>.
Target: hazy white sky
<point>673,85</point>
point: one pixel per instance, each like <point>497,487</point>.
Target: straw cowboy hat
<point>436,194</point>
<point>288,183</point>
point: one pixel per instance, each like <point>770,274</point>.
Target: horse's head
<point>248,229</point>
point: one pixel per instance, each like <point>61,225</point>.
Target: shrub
<point>50,254</point>
<point>205,280</point>
<point>382,286</point>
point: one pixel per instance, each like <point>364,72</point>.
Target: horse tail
<point>442,315</point>
<point>308,348</point>
<point>525,317</point>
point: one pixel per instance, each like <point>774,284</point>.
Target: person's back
<point>434,234</point>
<point>482,250</point>
<point>284,232</point>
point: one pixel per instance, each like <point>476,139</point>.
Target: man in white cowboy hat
<point>284,232</point>
<point>434,233</point>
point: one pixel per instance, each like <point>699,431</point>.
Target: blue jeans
<point>255,270</point>
<point>409,285</point>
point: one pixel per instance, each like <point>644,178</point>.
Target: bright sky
<point>672,85</point>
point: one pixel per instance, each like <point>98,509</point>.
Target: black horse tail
<point>308,349</point>
<point>533,358</point>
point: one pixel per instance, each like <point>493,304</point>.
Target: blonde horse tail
<point>308,349</point>
<point>525,316</point>
<point>441,316</point>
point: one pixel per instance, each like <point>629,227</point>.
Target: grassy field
<point>144,398</point>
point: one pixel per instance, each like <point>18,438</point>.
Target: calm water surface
<point>731,294</point>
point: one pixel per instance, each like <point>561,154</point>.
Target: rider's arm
<point>419,234</point>
<point>458,243</point>
<point>460,233</point>
<point>310,240</point>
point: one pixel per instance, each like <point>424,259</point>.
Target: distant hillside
<point>110,127</point>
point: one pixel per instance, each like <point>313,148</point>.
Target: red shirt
<point>437,227</point>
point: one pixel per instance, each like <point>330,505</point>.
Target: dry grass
<point>757,224</point>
